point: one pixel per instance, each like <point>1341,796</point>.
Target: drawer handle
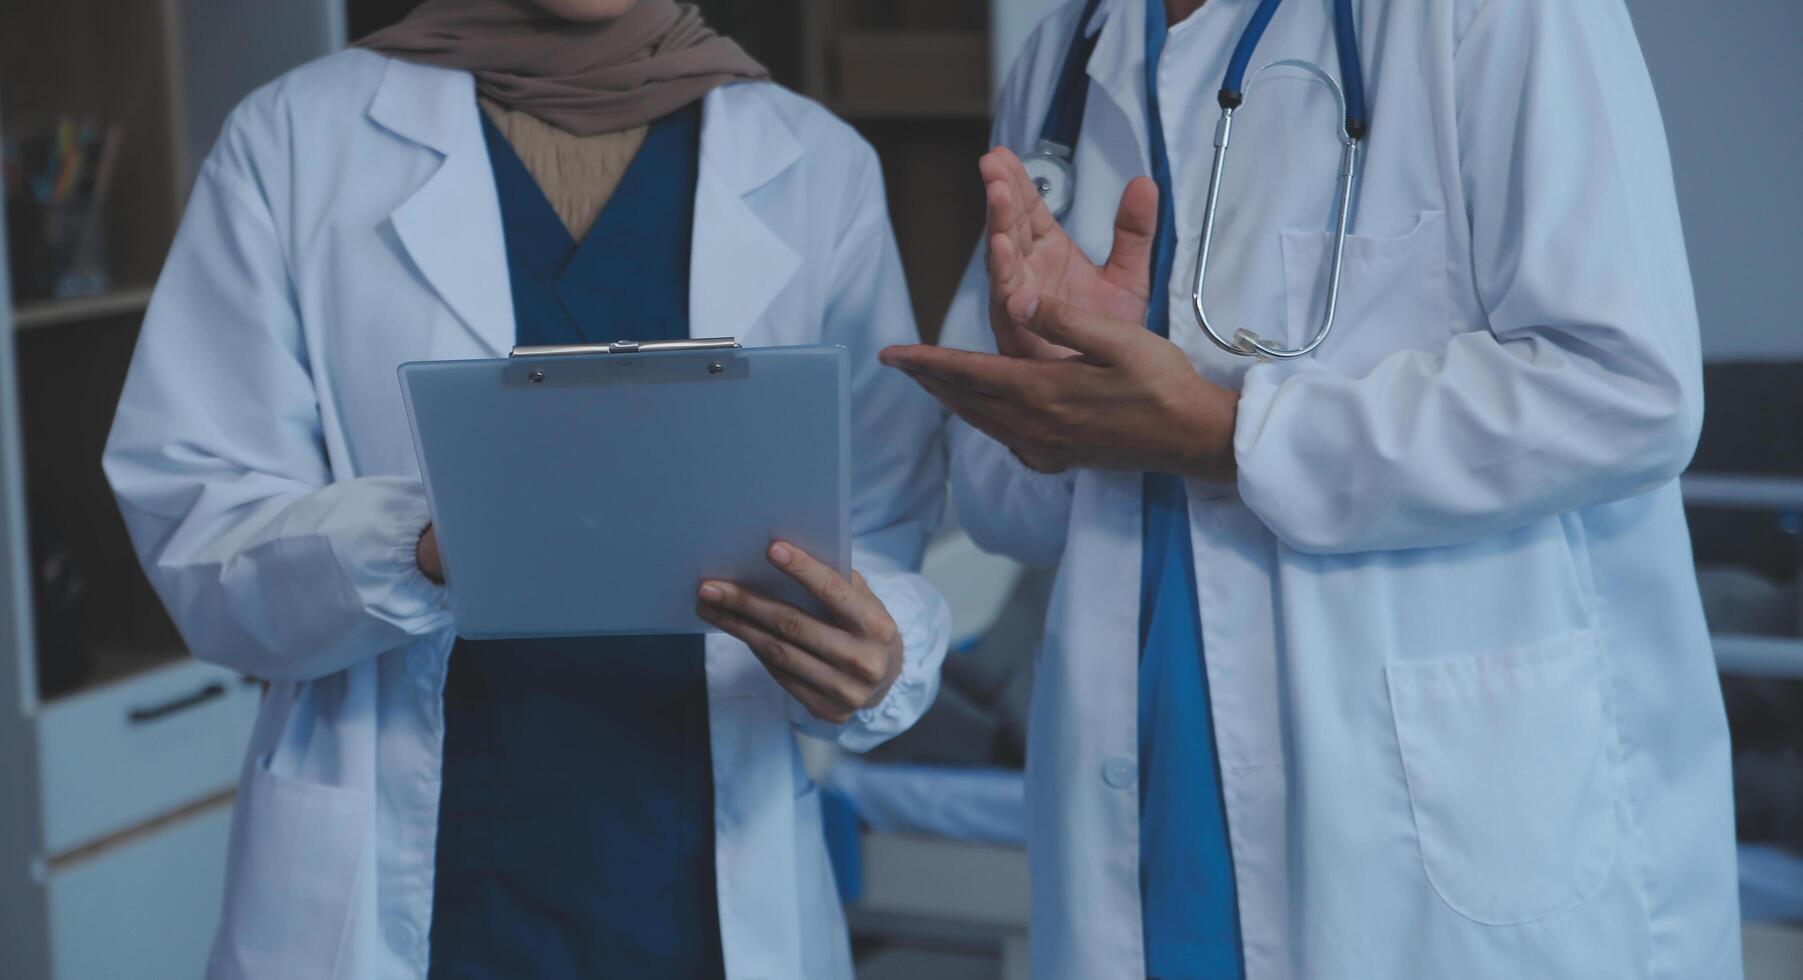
<point>138,716</point>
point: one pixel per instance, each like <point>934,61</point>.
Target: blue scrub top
<point>1191,917</point>
<point>576,831</point>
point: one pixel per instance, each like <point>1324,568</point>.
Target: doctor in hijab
<point>489,173</point>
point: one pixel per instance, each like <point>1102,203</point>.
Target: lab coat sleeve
<point>1586,386</point>
<point>898,464</point>
<point>265,562</point>
<point>1006,507</point>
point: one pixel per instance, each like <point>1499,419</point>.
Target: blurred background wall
<point>1728,78</point>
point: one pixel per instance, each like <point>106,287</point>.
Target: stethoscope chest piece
<point>1049,168</point>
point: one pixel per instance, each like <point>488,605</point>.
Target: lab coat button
<point>1120,772</point>
<point>403,938</point>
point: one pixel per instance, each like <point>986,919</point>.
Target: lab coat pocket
<point>297,850</point>
<point>1393,293</point>
<point>1508,765</point>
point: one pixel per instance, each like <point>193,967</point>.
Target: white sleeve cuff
<point>382,560</point>
<point>925,623</point>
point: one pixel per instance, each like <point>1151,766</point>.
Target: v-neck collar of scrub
<point>636,225</point>
<point>555,251</point>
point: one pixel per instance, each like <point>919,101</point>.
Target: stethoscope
<point>1049,165</point>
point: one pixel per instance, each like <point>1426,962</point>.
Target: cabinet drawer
<point>147,907</point>
<point>145,746</point>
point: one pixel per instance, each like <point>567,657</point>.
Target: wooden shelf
<point>50,312</point>
<point>914,110</point>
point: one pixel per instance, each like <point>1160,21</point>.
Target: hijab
<point>585,78</point>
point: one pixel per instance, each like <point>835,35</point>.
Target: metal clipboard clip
<point>676,368</point>
<point>628,347</point>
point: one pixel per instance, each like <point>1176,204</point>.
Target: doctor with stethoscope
<point>1376,651</point>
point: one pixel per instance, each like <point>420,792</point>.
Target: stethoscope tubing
<point>1050,164</point>
<point>1355,122</point>
<point>1244,342</point>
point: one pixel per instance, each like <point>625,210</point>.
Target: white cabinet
<point>110,759</point>
<point>145,907</point>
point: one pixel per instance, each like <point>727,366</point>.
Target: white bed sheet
<point>987,805</point>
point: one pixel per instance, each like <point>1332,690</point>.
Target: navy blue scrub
<point>576,830</point>
<point>1191,918</point>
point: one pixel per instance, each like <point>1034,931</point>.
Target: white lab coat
<point>345,223</point>
<point>1466,710</point>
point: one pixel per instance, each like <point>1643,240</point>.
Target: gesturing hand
<point>1130,400</point>
<point>833,668</point>
<point>1029,256</point>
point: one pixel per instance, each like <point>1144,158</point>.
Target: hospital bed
<point>1756,628</point>
<point>935,867</point>
<point>930,856</point>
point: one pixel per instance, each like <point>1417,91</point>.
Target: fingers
<point>831,671</point>
<point>1129,263</point>
<point>899,356</point>
<point>1007,209</point>
<point>426,555</point>
<point>1009,287</point>
<point>1013,298</point>
<point>1038,217</point>
<point>995,417</point>
<point>841,655</point>
<point>988,416</point>
<point>1008,242</point>
<point>1100,339</point>
<point>827,693</point>
<point>972,408</point>
<point>776,618</point>
<point>854,607</point>
<point>991,374</point>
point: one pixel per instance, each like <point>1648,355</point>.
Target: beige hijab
<point>583,78</point>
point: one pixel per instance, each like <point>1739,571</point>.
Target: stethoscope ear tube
<point>1233,83</point>
<point>1358,117</point>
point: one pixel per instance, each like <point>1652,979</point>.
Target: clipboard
<point>587,490</point>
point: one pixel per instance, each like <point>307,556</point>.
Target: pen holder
<point>59,250</point>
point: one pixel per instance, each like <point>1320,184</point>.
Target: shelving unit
<point>918,110</point>
<point>118,751</point>
<point>50,312</point>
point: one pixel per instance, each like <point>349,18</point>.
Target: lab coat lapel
<point>1117,66</point>
<point>451,225</point>
<point>738,263</point>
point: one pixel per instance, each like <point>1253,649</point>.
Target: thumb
<point>1135,229</point>
<point>1097,338</point>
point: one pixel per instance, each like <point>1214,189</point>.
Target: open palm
<point>1029,256</point>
